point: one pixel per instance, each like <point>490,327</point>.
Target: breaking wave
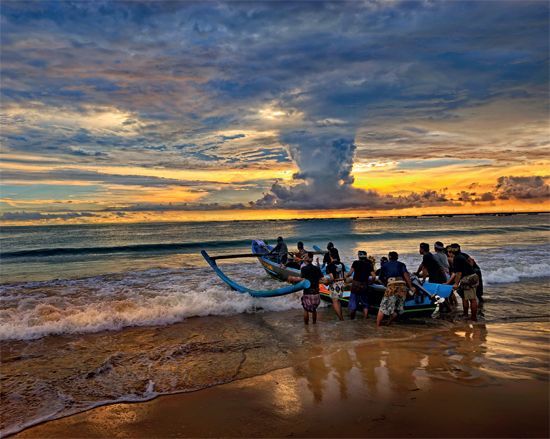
<point>154,297</point>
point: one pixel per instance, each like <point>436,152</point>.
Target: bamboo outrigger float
<point>242,289</point>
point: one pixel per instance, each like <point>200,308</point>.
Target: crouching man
<point>466,279</point>
<point>396,278</point>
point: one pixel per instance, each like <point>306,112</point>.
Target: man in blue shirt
<point>395,276</point>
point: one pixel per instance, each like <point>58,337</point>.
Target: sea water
<point>92,314</point>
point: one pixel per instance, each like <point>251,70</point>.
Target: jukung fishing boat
<point>426,304</point>
<point>434,294</point>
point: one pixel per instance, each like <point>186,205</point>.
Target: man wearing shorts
<point>395,276</point>
<point>361,270</point>
<point>310,298</point>
<point>465,278</point>
<point>335,273</point>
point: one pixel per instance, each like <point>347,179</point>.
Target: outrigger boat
<point>433,294</point>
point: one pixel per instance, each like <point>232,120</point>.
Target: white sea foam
<point>164,296</point>
<point>512,274</point>
<point>155,297</point>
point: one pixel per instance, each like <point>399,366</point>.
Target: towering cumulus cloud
<point>324,180</point>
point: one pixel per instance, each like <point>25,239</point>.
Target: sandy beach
<point>467,381</point>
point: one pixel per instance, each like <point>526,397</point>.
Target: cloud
<point>173,207</point>
<point>522,188</point>
<point>72,175</point>
<point>325,162</point>
<point>35,216</point>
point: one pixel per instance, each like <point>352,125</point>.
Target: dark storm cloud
<point>95,177</point>
<point>204,63</point>
<point>522,188</point>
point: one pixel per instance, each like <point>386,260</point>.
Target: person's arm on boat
<point>407,278</point>
<point>452,279</point>
<point>349,274</point>
<point>275,249</point>
<point>294,279</point>
<point>457,276</point>
<point>372,277</point>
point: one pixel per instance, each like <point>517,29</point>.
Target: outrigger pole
<point>289,289</point>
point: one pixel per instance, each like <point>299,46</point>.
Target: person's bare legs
<point>314,314</point>
<point>306,317</point>
<point>337,309</point>
<point>379,318</point>
<point>474,309</point>
<point>366,312</point>
<point>465,306</point>
<point>452,300</point>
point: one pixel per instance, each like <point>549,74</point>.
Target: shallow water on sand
<point>140,363</point>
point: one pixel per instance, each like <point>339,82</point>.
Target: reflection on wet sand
<point>373,386</point>
<point>470,355</point>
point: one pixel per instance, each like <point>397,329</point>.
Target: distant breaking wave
<point>226,244</point>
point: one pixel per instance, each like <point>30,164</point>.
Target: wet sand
<point>467,381</point>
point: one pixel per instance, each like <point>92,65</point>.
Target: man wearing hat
<point>361,270</point>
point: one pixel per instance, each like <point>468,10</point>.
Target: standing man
<point>330,250</point>
<point>361,270</point>
<point>280,250</point>
<point>429,266</point>
<point>335,272</point>
<point>395,276</point>
<point>465,278</point>
<point>441,258</point>
<point>310,298</point>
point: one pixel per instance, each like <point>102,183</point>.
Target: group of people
<point>447,265</point>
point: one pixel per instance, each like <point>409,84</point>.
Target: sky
<point>161,111</point>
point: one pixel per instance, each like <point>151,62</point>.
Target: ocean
<point>94,314</point>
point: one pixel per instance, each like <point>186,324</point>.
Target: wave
<point>134,248</point>
<point>32,310</point>
<point>156,297</point>
<point>511,274</point>
<point>233,243</point>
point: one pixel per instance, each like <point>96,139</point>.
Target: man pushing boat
<point>310,298</point>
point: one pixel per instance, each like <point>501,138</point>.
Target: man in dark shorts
<point>465,278</point>
<point>430,267</point>
<point>310,298</point>
<point>361,270</point>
